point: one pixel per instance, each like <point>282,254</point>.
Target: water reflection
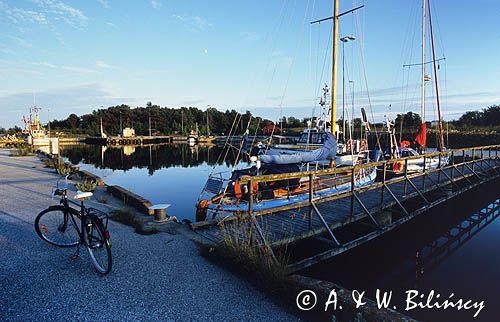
<point>451,249</point>
<point>153,157</point>
<point>161,173</point>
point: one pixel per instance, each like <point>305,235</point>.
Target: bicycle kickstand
<point>76,255</point>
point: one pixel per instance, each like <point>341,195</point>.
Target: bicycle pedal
<point>74,257</point>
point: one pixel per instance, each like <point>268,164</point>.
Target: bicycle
<point>64,226</point>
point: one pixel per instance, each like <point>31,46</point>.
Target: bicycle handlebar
<point>58,191</point>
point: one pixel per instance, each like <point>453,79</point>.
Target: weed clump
<point>126,216</point>
<point>22,151</point>
<point>238,252</point>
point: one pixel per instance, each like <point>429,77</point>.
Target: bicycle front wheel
<point>98,245</point>
<point>59,226</point>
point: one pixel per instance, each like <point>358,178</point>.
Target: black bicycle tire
<point>99,226</point>
<point>51,209</point>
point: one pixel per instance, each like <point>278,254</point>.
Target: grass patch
<point>256,264</point>
<point>86,185</point>
<point>127,217</point>
<point>21,151</point>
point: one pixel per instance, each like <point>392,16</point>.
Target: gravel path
<point>158,277</point>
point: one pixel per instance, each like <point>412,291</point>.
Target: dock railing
<point>470,158</point>
<point>457,170</point>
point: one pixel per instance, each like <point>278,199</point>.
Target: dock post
<point>439,167</point>
<point>353,178</point>
<point>311,192</point>
<point>250,197</point>
<point>250,211</point>
<point>406,177</point>
<point>452,167</point>
<point>383,182</point>
<point>424,169</point>
<point>463,161</point>
<point>473,158</point>
<point>481,163</point>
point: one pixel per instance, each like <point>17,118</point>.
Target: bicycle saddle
<point>83,195</point>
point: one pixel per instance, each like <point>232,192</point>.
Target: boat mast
<point>441,132</point>
<point>334,65</point>
<point>422,103</point>
<point>334,70</point>
<point>335,19</point>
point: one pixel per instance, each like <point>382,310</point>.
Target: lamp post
<point>121,127</point>
<point>344,40</point>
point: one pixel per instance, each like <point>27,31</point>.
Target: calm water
<point>172,174</point>
<point>404,259</point>
<point>421,256</point>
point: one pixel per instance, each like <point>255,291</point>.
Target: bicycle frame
<point>84,213</point>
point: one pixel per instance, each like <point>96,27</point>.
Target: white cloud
<point>16,72</point>
<point>62,101</point>
<point>101,64</point>
<point>104,3</point>
<point>78,70</point>
<point>156,4</point>
<point>44,64</point>
<point>195,23</point>
<point>111,25</point>
<point>17,15</point>
<point>60,11</point>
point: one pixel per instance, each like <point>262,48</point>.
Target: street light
<point>344,40</point>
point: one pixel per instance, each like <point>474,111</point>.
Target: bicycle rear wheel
<point>59,226</point>
<point>98,245</point>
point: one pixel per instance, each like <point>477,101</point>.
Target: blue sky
<point>75,56</point>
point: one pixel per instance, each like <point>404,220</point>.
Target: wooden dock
<point>351,218</point>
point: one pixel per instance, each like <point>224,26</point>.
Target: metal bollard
<point>160,212</point>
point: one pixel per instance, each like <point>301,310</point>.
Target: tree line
<point>181,121</point>
<point>160,120</point>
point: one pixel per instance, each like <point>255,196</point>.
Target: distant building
<point>268,129</point>
<point>128,132</point>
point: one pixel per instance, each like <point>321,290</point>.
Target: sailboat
<point>420,141</point>
<point>222,197</point>
<point>349,151</point>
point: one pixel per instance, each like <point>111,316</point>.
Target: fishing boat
<point>405,149</point>
<point>228,195</point>
<point>33,129</point>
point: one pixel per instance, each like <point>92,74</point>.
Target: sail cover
<point>421,137</point>
<point>327,152</point>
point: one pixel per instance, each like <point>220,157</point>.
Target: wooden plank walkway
<point>404,197</point>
